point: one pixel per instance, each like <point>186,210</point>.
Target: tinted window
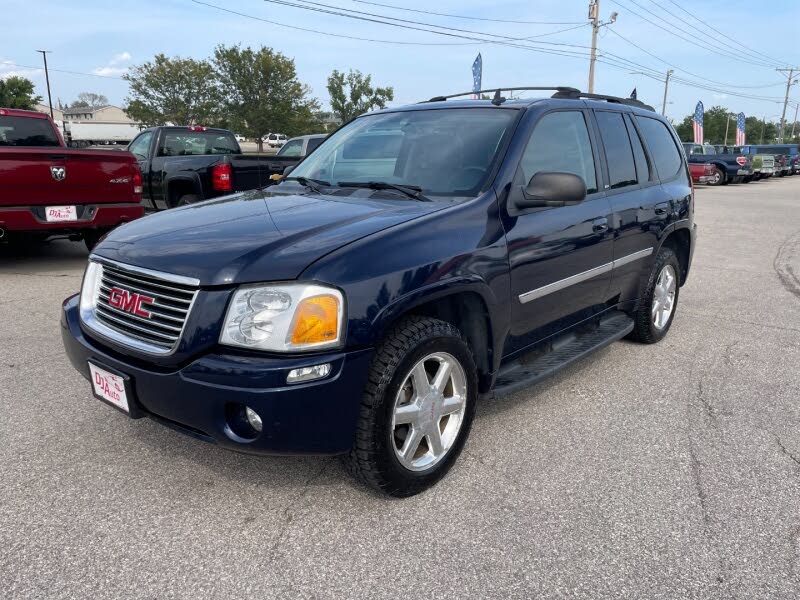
<point>448,152</point>
<point>292,148</point>
<point>642,164</point>
<point>665,154</point>
<point>26,131</point>
<point>560,143</point>
<point>141,145</point>
<point>193,143</point>
<point>313,143</point>
<point>619,155</point>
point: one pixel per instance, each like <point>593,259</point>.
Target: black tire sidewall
<point>401,481</point>
<point>645,330</point>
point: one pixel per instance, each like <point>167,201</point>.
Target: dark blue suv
<point>420,259</point>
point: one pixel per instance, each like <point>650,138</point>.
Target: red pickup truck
<point>701,172</point>
<point>48,189</point>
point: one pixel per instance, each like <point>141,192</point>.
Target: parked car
<point>701,172</point>
<point>302,145</point>
<point>728,167</point>
<point>274,140</point>
<point>48,189</point>
<point>240,138</point>
<point>184,165</point>
<point>785,157</point>
<point>421,257</point>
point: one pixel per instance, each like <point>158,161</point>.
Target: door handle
<point>600,225</point>
<point>661,209</point>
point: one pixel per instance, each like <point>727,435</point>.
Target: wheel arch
<point>465,305</point>
<point>680,241</point>
<point>180,186</point>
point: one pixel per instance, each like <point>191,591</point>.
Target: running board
<point>533,367</point>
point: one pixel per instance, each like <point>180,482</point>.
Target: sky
<point>99,40</point>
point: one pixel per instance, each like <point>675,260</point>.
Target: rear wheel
<point>656,310</point>
<point>417,408</point>
<point>187,199</point>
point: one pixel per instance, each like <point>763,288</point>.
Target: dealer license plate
<point>109,388</point>
<point>57,214</point>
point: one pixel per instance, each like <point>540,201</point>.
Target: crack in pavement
<point>786,452</point>
<point>788,252</point>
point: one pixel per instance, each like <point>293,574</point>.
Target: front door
<point>560,257</point>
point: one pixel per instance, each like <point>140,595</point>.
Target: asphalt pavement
<point>665,471</point>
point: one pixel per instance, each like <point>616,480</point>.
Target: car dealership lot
<point>643,471</point>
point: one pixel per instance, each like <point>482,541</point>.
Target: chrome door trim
<point>557,286</point>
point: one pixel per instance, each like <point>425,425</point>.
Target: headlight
<point>284,317</point>
<point>90,289</point>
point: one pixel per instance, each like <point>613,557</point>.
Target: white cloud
<point>114,68</point>
<point>10,69</point>
<point>720,96</point>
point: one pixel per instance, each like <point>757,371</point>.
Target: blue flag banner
<point>477,75</point>
<point>740,140</point>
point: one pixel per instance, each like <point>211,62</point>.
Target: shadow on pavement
<point>56,254</point>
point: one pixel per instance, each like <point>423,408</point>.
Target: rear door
<point>559,257</point>
<point>641,207</point>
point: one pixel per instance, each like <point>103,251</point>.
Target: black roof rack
<point>558,89</point>
<point>577,94</point>
<point>563,92</point>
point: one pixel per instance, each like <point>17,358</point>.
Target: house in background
<point>102,114</point>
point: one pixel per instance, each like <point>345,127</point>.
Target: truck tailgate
<point>33,176</point>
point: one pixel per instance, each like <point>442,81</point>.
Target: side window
<point>642,164</point>
<point>560,143</point>
<point>141,145</point>
<point>293,148</point>
<point>666,157</point>
<point>619,155</point>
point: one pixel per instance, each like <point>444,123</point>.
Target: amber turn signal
<point>316,320</point>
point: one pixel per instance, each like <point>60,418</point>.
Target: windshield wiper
<point>412,191</point>
<point>312,184</point>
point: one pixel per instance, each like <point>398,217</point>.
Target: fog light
<point>308,373</point>
<point>253,419</point>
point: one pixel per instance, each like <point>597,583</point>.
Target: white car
<point>274,140</point>
<point>239,137</point>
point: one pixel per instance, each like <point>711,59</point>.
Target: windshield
<point>26,131</point>
<point>447,152</point>
<point>191,143</point>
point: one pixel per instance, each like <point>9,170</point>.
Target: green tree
<point>18,92</point>
<point>181,91</point>
<point>714,127</point>
<point>262,93</point>
<point>352,94</point>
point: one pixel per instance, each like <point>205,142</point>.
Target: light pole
<point>666,87</point>
<point>731,117</point>
<point>764,126</point>
<point>594,18</point>
<point>47,79</point>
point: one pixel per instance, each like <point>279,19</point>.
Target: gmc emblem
<point>130,302</point>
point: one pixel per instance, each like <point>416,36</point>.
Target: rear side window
<point>619,155</point>
<point>194,143</point>
<point>313,143</point>
<point>292,148</point>
<point>667,158</point>
<point>642,164</point>
<point>141,145</point>
<point>560,143</point>
<point>26,131</point>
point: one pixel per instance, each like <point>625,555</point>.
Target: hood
<point>254,236</point>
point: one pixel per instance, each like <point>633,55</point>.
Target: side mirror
<point>552,189</point>
<point>288,170</point>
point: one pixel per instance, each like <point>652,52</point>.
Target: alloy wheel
<point>664,297</point>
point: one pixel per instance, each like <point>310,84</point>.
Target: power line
<point>736,48</point>
<point>718,31</point>
<point>694,41</point>
<point>438,14</point>
<point>13,64</point>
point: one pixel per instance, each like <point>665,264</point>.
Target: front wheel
<point>656,310</point>
<point>417,407</point>
<point>718,177</point>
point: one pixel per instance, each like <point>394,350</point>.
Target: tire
<point>718,177</point>
<point>748,179</point>
<point>187,199</point>
<point>645,329</point>
<point>92,237</point>
<point>375,458</point>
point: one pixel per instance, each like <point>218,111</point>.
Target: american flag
<point>740,129</point>
<point>477,74</point>
<point>697,123</point>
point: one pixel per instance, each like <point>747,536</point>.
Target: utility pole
<point>594,18</point>
<point>728,118</point>
<point>789,84</point>
<point>796,106</point>
<point>47,79</point>
<point>763,127</point>
<point>666,87</point>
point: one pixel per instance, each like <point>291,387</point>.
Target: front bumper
<point>200,398</point>
<point>90,216</point>
<point>744,172</point>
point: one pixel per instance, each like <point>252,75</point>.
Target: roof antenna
<point>498,99</point>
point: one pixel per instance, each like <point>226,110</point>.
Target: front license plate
<point>57,214</point>
<point>109,388</point>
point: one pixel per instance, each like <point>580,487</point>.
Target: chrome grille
<point>158,326</point>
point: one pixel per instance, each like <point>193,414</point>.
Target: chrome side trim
<point>584,276</point>
<point>632,257</point>
<point>565,283</point>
